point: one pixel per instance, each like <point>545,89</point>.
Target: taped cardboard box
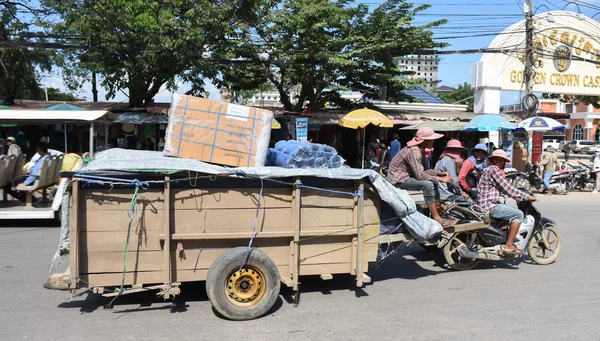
<point>218,132</point>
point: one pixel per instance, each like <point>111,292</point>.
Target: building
<point>445,88</point>
<point>581,120</point>
<point>424,66</point>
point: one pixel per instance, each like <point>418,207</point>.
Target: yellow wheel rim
<point>245,287</point>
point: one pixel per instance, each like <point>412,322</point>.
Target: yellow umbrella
<point>363,117</point>
<point>275,124</point>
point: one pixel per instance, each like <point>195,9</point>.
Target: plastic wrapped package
<point>298,150</point>
<point>336,161</point>
<point>218,132</point>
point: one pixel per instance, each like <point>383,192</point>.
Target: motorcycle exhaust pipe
<point>478,255</point>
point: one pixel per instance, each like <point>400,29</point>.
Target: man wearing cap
<point>13,147</point>
<point>472,169</point>
<point>450,161</point>
<point>406,170</point>
<point>491,184</point>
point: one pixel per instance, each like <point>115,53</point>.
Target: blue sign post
<point>302,129</point>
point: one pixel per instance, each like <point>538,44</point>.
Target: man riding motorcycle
<point>490,186</point>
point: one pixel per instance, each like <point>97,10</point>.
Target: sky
<point>471,24</point>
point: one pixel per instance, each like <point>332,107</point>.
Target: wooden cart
<point>199,230</point>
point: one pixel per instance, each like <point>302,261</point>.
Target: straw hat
<point>499,153</point>
<point>424,133</point>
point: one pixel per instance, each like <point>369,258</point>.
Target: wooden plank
<point>74,226</point>
<point>155,277</point>
<point>106,241</point>
<point>199,199</point>
<point>267,234</point>
<point>334,218</point>
<point>326,277</point>
<point>371,244</point>
<point>394,238</point>
<point>119,199</point>
<point>467,227</point>
<point>167,231</point>
<point>297,215</point>
<point>231,221</point>
<point>361,237</point>
<point>118,220</point>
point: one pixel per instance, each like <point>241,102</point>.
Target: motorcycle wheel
<point>522,182</point>
<point>452,257</point>
<point>545,246</point>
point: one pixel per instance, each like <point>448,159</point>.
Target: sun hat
<point>499,153</point>
<point>11,139</point>
<point>455,144</point>
<point>424,133</point>
<point>482,147</point>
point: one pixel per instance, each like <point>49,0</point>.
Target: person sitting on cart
<point>471,170</point>
<point>450,161</point>
<point>406,171</point>
<point>490,186</point>
<point>42,149</point>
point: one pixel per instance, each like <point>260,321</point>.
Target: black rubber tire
<point>229,262</point>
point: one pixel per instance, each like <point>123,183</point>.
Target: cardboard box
<point>218,132</point>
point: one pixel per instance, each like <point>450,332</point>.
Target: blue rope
<point>93,179</point>
<point>353,194</point>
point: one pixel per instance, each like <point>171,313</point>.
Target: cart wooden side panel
<point>198,224</point>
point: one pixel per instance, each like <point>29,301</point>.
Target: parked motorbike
<point>538,235</point>
<point>583,177</point>
<point>560,182</point>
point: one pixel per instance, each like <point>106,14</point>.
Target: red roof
<point>444,88</point>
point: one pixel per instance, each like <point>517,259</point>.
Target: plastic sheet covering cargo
<point>421,227</point>
<point>294,154</point>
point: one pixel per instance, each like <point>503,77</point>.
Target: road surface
<point>413,297</point>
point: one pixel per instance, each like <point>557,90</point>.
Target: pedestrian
<point>597,170</point>
<point>550,163</point>
<point>23,142</point>
<point>566,150</point>
<point>372,149</point>
<point>395,146</point>
<point>428,152</point>
<point>13,147</point>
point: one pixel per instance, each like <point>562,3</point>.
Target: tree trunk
<point>137,91</point>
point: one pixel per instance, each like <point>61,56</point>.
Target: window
<point>418,74</point>
<point>419,68</point>
<point>577,132</point>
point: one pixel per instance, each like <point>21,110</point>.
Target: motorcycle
<point>583,177</point>
<point>537,235</point>
<point>560,182</point>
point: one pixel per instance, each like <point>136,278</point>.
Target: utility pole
<point>530,101</point>
<point>94,89</point>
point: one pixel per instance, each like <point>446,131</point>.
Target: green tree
<point>327,46</point>
<point>141,45</point>
<point>463,94</point>
<point>18,65</point>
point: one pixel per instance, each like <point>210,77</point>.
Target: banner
<point>537,147</point>
<point>302,129</point>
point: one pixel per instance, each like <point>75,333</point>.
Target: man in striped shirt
<point>406,171</point>
<point>491,184</point>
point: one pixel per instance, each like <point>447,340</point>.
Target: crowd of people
<point>479,180</point>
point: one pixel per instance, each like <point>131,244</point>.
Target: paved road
<point>412,298</point>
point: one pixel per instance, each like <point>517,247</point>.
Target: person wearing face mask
<point>471,170</point>
<point>491,185</point>
<point>407,172</point>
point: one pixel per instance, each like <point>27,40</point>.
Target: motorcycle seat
<point>498,223</point>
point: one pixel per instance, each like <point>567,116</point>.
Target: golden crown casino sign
<point>566,54</point>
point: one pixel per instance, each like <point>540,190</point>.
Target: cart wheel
<point>243,294</point>
<point>545,253</point>
<point>430,247</point>
<point>453,258</point>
